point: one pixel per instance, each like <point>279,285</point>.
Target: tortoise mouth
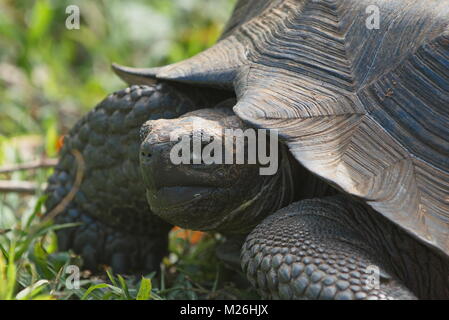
<point>197,208</point>
<point>172,197</point>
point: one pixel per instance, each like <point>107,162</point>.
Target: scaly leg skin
<point>118,228</point>
<point>312,250</point>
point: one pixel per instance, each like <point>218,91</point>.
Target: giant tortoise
<point>359,206</point>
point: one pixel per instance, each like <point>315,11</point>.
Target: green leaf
<point>44,297</point>
<point>41,17</point>
<point>51,137</point>
<point>107,295</point>
<point>11,274</point>
<point>124,287</point>
<point>144,290</point>
<point>52,244</point>
<point>38,231</point>
<point>111,277</point>
<point>92,288</point>
<point>3,279</point>
<point>37,209</point>
<point>32,291</point>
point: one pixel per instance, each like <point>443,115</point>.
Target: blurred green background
<point>50,76</point>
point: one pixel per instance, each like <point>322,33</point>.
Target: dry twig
<point>38,164</point>
<point>26,187</point>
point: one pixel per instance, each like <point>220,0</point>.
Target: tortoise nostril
<point>146,150</point>
<point>145,154</point>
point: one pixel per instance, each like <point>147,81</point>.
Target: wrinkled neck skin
<point>277,191</point>
<point>422,269</point>
<point>291,183</point>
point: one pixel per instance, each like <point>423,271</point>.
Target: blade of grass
<point>124,287</point>
<point>144,290</point>
<point>92,288</point>
<point>32,291</point>
<point>11,273</point>
<point>111,277</point>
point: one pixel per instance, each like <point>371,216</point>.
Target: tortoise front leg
<point>311,250</point>
<point>118,228</point>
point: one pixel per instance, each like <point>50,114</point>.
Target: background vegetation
<point>49,77</point>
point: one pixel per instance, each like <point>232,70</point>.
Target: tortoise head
<point>192,178</point>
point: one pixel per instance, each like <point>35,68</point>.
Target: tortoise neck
<point>290,183</point>
<point>276,191</point>
<point>305,185</point>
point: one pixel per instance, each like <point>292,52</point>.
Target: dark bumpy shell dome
<point>365,109</point>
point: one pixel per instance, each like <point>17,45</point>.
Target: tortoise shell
<point>365,108</point>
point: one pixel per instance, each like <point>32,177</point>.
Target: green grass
<point>49,77</point>
<point>31,267</point>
